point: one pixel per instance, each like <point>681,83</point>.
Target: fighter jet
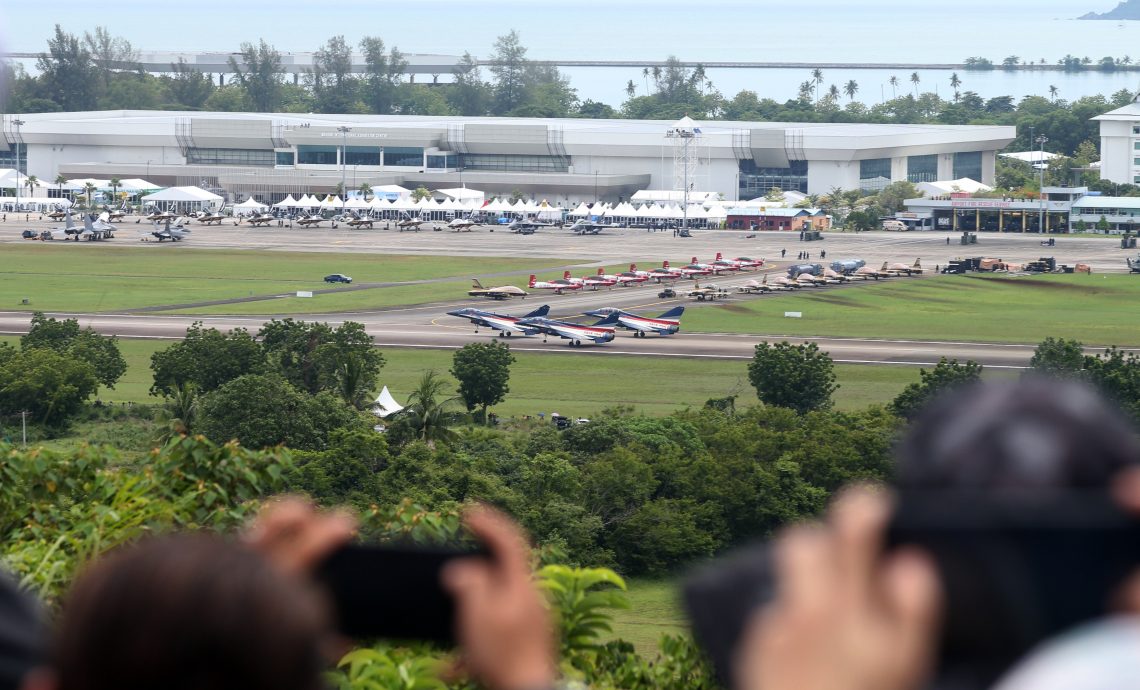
<point>313,221</point>
<point>461,224</point>
<point>496,293</point>
<point>600,333</point>
<point>210,218</point>
<point>666,324</point>
<point>503,323</point>
<point>557,285</point>
<point>261,219</point>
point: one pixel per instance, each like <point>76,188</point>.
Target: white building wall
<point>824,175</point>
<point>1117,151</point>
<point>989,167</point>
<point>946,166</point>
<point>44,159</point>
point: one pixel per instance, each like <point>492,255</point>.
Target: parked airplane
<point>632,276</point>
<point>313,221</point>
<point>586,227</point>
<point>666,324</point>
<point>708,291</point>
<point>58,214</point>
<point>158,216</point>
<point>359,221</point>
<point>210,218</point>
<point>527,227</point>
<point>175,233</point>
<point>747,261</point>
<point>716,270</point>
<point>664,273</point>
<point>692,270</point>
<point>496,293</point>
<point>722,264</point>
<point>409,224</point>
<point>784,283</point>
<point>261,219</point>
<point>903,269</point>
<point>116,214</point>
<point>564,283</point>
<point>461,224</point>
<point>754,286</point>
<point>836,277</point>
<point>599,333</point>
<point>503,323</point>
<point>599,280</point>
<point>1133,266</point>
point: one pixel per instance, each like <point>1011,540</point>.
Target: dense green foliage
<point>49,385</point>
<point>483,370</point>
<point>66,338</point>
<point>315,357</point>
<point>946,375</point>
<point>1115,372</point>
<point>800,377</point>
<point>207,358</point>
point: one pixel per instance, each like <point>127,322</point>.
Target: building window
<point>1136,129</point>
<point>441,161</point>
<point>316,155</point>
<point>362,155</point>
<point>969,165</point>
<point>922,168</point>
<point>404,156</point>
<point>1136,145</point>
<point>286,158</point>
<point>874,174</point>
<point>757,181</point>
<point>1136,179</point>
<point>8,158</point>
<point>1136,161</point>
<point>514,163</point>
<point>208,156</point>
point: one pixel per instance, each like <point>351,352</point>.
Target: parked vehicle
<point>338,278</point>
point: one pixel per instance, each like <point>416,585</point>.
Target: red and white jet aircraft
<point>694,269</point>
<point>564,283</point>
<point>721,264</point>
<point>597,281</point>
<point>632,276</point>
<point>747,261</point>
<point>665,273</point>
<point>599,333</point>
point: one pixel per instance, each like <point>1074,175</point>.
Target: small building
<point>973,214</point>
<point>760,218</point>
<point>1121,213</point>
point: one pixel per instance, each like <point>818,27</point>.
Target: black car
<point>338,278</point>
<point>30,235</point>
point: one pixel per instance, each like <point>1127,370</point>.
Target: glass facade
<point>316,155</point>
<point>922,168</point>
<point>286,158</point>
<point>8,158</point>
<point>439,161</point>
<point>404,156</point>
<point>516,163</point>
<point>757,181</point>
<point>362,155</point>
<point>969,165</point>
<point>874,174</point>
<point>201,156</point>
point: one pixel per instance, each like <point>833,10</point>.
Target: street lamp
<point>343,157</point>
<point>17,123</point>
<point>1041,196</point>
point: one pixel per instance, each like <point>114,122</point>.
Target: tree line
<point>100,71</point>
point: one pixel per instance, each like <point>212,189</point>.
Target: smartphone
<point>1016,567</point>
<point>392,592</point>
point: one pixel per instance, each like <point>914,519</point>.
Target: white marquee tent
<point>184,198</point>
<point>251,204</point>
<point>287,202</point>
<point>385,405</point>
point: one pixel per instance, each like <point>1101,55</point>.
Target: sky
<point>708,29</point>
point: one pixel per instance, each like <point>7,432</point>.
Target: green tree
<point>66,337</point>
<point>955,82</point>
<point>365,191</point>
<point>892,196</point>
<point>662,534</point>
<point>383,73</point>
<point>187,86</point>
<point>1102,224</point>
<point>50,385</point>
<point>1058,357</point>
<point>420,193</point>
<point>207,358</point>
<point>469,95</point>
<point>915,80</point>
<point>110,54</point>
<point>314,357</point>
<point>483,370</point>
<point>1117,375</point>
<point>429,409</point>
<point>509,66</point>
<point>67,73</point>
<point>264,410</point>
<point>799,377</point>
<point>179,415</point>
<point>851,88</point>
<point>330,79</point>
<point>259,74</point>
<point>945,376</point>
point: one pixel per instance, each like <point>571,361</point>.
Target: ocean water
<point>740,30</point>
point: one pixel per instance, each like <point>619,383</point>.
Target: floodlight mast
<point>19,140</point>
<point>1041,196</point>
<point>344,130</point>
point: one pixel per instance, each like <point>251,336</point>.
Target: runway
<point>405,329</point>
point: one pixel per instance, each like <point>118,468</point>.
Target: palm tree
<point>115,184</point>
<point>645,75</point>
<point>955,82</point>
<point>817,79</point>
<point>365,190</point>
<point>1052,93</point>
<point>90,189</point>
<point>350,382</point>
<point>427,409</point>
<point>630,89</point>
<point>851,88</point>
<point>179,413</point>
<point>60,180</point>
<point>833,92</point>
<point>915,79</point>
<point>31,182</point>
<point>894,82</point>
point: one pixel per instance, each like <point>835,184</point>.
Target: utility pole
<point>19,143</point>
<point>1041,195</point>
<point>343,158</point>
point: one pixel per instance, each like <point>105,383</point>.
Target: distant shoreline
<point>722,64</point>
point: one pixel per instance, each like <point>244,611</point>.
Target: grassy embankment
<point>1095,309</point>
<point>83,278</point>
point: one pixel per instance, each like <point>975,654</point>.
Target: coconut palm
<point>178,415</point>
<point>833,92</point>
<point>915,79</point>
<point>894,82</point>
<point>1052,93</point>
<point>630,89</point>
<point>851,88</point>
<point>365,190</point>
<point>90,189</point>
<point>955,82</point>
<point>645,75</point>
<point>31,182</point>
<point>60,180</point>
<point>817,79</point>
<point>428,410</point>
<point>115,183</point>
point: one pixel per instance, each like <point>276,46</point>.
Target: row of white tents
<point>627,210</point>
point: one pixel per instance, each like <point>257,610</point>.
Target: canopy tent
<point>287,202</point>
<point>391,191</point>
<point>670,195</point>
<point>9,178</point>
<point>184,198</point>
<point>308,201</point>
<point>331,202</point>
<point>251,204</point>
<point>461,194</point>
<point>36,204</point>
<point>581,210</point>
<point>497,206</point>
<point>964,186</point>
<point>385,405</point>
<point>357,204</point>
<point>80,184</point>
<point>136,184</point>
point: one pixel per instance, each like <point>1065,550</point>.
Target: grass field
<point>65,277</point>
<point>1096,309</point>
<point>654,611</point>
<point>568,384</point>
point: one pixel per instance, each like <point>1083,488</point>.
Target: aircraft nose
<point>457,312</point>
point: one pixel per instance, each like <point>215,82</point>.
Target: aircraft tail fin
<point>609,320</point>
<point>531,284</point>
<point>541,311</point>
<point>566,275</point>
<point>694,260</point>
<point>718,256</point>
<point>476,284</point>
<point>665,264</point>
<point>918,263</point>
<point>633,268</point>
<point>601,271</point>
<point>673,313</point>
<point>68,222</point>
<point>87,222</point>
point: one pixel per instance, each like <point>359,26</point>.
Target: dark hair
<point>1034,433</point>
<point>189,612</point>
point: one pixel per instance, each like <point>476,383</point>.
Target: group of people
<point>804,255</point>
<point>203,612</point>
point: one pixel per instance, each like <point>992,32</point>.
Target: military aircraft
<point>664,273</point>
<point>461,224</point>
<point>796,270</point>
<point>666,324</point>
<point>497,293</point>
<point>58,213</point>
<point>527,227</point>
<point>313,221</point>
<point>903,269</point>
<point>754,286</point>
<point>116,214</point>
<point>1133,265</point>
<point>599,333</point>
<point>722,264</point>
<point>708,291</point>
<point>261,219</point>
<point>715,270</point>
<point>747,261</point>
<point>600,280</point>
<point>175,233</point>
<point>558,286</point>
<point>586,227</point>
<point>210,218</point>
<point>158,216</point>
<point>359,221</point>
<point>784,283</point>
<point>836,277</point>
<point>503,323</point>
<point>409,224</point>
<point>632,276</point>
<point>847,266</point>
<point>693,270</point>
